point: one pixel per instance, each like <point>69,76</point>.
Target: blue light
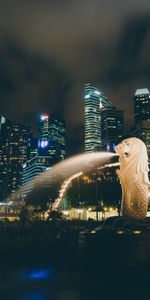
<point>40,274</point>
<point>114,147</point>
<point>87,96</point>
<point>108,147</point>
<point>44,143</point>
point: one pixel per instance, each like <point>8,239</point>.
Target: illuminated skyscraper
<point>32,169</point>
<point>33,145</point>
<point>57,129</point>
<point>142,131</point>
<point>19,154</point>
<point>2,121</point>
<point>51,140</point>
<point>142,117</point>
<point>5,134</point>
<point>14,147</point>
<point>44,127</point>
<point>112,128</point>
<point>141,105</point>
<point>2,169</point>
<point>94,101</point>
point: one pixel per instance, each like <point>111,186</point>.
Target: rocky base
<point>127,224</point>
<point>122,242</point>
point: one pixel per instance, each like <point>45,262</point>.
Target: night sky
<point>49,49</point>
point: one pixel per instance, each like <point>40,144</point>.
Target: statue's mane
<point>138,158</point>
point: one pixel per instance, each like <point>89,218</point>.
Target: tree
<point>54,215</point>
<point>81,191</point>
<point>41,197</point>
<point>24,215</point>
<point>38,197</point>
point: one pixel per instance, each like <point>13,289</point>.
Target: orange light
<point>44,117</point>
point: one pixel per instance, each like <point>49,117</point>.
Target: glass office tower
<point>142,117</point>
<point>51,139</point>
<point>112,128</point>
<point>94,101</point>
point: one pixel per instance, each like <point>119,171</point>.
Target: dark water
<point>50,282</point>
<point>78,266</point>
<point>93,271</point>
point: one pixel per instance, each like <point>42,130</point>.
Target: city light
<point>93,231</point>
<point>137,232</point>
<point>44,143</point>
<point>97,92</point>
<point>120,232</point>
<point>44,117</point>
<point>87,96</point>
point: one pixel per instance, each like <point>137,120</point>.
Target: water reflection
<point>40,274</point>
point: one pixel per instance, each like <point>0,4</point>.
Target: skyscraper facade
<point>2,121</point>
<point>33,147</point>
<point>5,135</point>
<point>19,154</point>
<point>43,132</point>
<point>94,101</point>
<point>51,139</point>
<point>32,169</point>
<point>58,135</point>
<point>141,105</point>
<point>142,117</point>
<point>112,124</point>
<point>14,145</point>
<point>142,131</point>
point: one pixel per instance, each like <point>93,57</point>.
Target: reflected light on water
<point>40,274</point>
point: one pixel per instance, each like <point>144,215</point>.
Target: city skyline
<point>50,50</point>
<point>79,146</point>
<point>23,156</point>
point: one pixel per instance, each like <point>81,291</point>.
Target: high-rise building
<point>141,105</point>
<point>5,135</point>
<point>32,169</point>
<point>57,129</point>
<point>142,131</point>
<point>19,154</point>
<point>112,127</point>
<point>142,116</point>
<point>51,139</point>
<point>33,147</point>
<point>14,145</point>
<point>2,121</point>
<point>44,127</point>
<point>94,101</point>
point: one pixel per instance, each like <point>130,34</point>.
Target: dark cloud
<point>30,83</point>
<point>49,49</point>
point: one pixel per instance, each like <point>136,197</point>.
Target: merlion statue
<point>133,175</point>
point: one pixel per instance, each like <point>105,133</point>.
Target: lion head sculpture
<point>133,176</point>
<point>133,153</point>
